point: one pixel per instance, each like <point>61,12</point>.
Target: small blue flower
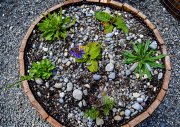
<point>77,52</point>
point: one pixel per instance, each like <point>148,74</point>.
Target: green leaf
<point>66,20</point>
<point>99,57</point>
<point>94,66</point>
<point>72,23</point>
<point>92,113</point>
<point>108,29</point>
<point>146,71</point>
<point>103,16</point>
<point>86,49</point>
<point>106,111</point>
<point>129,54</point>
<point>120,24</point>
<point>155,65</point>
<point>64,34</point>
<point>80,60</point>
<point>146,47</point>
<point>94,49</point>
<point>158,57</point>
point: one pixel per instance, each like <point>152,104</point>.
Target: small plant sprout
<point>145,57</point>
<point>102,109</point>
<point>54,26</point>
<point>92,113</point>
<point>108,104</point>
<point>42,69</point>
<point>89,54</point>
<point>109,22</point>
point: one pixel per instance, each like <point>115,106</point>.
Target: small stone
<point>112,61</point>
<point>66,80</point>
<point>107,11</point>
<point>84,103</point>
<point>136,106</point>
<point>65,61</point>
<point>96,77</point>
<point>66,54</point>
<point>110,56</point>
<point>133,67</point>
<point>128,38</point>
<point>61,100</point>
<point>85,38</point>
<point>160,75</point>
<point>45,49</point>
<point>47,84</point>
<point>117,118</point>
<point>127,112</point>
<point>89,14</point>
<point>112,75</point>
<point>145,76</point>
<point>121,104</point>
<point>134,113</point>
<point>87,86</point>
<point>85,92</point>
<point>68,63</point>
<point>141,36</point>
<point>69,86</point>
<point>137,75</point>
<point>109,67</point>
<point>153,45</point>
<point>98,7</point>
<point>99,121</point>
<point>62,94</point>
<point>155,72</point>
<point>39,94</point>
<point>109,35</point>
<point>122,113</point>
<point>51,54</point>
<point>140,100</point>
<point>58,85</point>
<point>39,81</point>
<point>80,104</point>
<point>128,72</point>
<point>122,42</point>
<point>72,45</point>
<point>114,110</point>
<point>70,115</point>
<point>77,94</point>
<point>139,40</point>
<point>136,95</point>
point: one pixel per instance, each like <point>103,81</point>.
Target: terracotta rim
<point>118,5</point>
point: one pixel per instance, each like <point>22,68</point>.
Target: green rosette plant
<point>42,69</point>
<point>54,26</point>
<point>145,57</point>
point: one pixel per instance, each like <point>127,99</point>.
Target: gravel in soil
<point>56,95</point>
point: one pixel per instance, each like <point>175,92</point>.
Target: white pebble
<point>62,94</point>
<point>58,85</point>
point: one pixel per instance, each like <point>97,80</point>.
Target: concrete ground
<point>15,18</point>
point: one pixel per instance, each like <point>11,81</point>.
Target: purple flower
<point>77,52</point>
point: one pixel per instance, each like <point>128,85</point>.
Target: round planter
<point>117,5</point>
